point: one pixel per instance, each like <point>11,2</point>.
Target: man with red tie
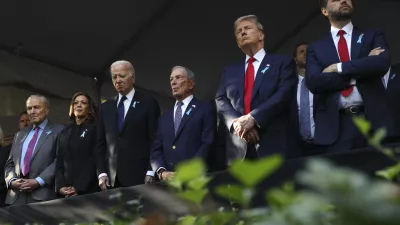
<point>344,71</point>
<point>254,97</point>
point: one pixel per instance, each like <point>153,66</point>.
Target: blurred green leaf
<point>195,196</point>
<point>190,169</point>
<point>199,183</point>
<point>221,218</point>
<point>250,173</point>
<point>363,124</point>
<point>378,136</point>
<point>175,183</point>
<point>236,193</point>
<point>187,220</point>
<point>389,173</point>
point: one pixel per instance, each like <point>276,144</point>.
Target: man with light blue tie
<point>30,169</point>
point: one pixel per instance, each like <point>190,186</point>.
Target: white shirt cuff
<point>150,173</point>
<point>11,180</point>
<point>103,175</point>
<point>339,67</point>
<point>40,181</point>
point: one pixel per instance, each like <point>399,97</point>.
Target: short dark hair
<point>92,108</point>
<point>322,3</point>
<point>297,46</point>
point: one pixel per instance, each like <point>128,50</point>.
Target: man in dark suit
<point>254,96</point>
<point>344,71</point>
<point>185,131</point>
<point>30,169</point>
<point>126,128</point>
<point>392,81</point>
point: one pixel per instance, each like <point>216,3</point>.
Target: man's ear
<point>324,12</point>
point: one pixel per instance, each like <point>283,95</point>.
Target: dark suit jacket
<point>393,94</point>
<point>76,166</point>
<point>4,153</point>
<point>194,139</point>
<point>367,70</point>
<point>42,162</point>
<point>270,105</point>
<point>126,153</point>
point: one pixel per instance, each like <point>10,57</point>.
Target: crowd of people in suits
<point>300,105</point>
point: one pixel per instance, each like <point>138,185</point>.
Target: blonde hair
<point>251,18</point>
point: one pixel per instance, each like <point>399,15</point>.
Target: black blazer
<point>75,164</point>
<point>4,153</point>
<point>393,94</point>
<point>126,154</point>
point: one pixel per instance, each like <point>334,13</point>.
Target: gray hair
<point>45,101</point>
<point>251,18</point>
<point>188,72</point>
<point>123,62</point>
<point>1,137</point>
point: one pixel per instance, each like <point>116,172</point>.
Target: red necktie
<point>344,57</point>
<point>248,85</point>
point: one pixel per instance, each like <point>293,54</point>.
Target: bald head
<point>123,76</point>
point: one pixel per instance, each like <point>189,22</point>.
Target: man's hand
<point>68,191</point>
<point>149,179</point>
<point>166,175</point>
<point>376,51</point>
<point>252,136</point>
<point>29,185</point>
<point>104,183</point>
<point>16,184</point>
<point>331,69</point>
<point>243,125</point>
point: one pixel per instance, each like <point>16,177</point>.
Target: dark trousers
<point>308,148</point>
<point>349,135</point>
<point>251,152</point>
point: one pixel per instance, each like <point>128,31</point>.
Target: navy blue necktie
<point>305,121</point>
<point>178,116</point>
<point>121,112</point>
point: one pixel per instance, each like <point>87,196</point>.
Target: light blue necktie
<point>178,116</point>
<point>305,123</point>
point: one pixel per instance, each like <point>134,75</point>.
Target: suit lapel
<point>45,134</point>
<point>113,112</point>
<point>262,72</point>
<point>330,48</point>
<point>190,110</point>
<point>241,73</point>
<point>356,43</point>
<point>24,134</point>
<point>131,111</point>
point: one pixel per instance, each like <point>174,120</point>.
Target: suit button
<point>174,147</point>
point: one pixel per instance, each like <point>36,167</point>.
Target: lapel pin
<point>360,38</point>
<point>48,132</point>
<point>83,134</point>
<point>265,69</point>
<point>188,112</point>
<point>134,104</point>
<point>393,76</point>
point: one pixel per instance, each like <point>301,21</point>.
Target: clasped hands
<point>245,128</point>
<point>27,185</point>
<point>68,191</point>
<point>333,68</point>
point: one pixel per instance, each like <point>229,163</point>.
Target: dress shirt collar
<point>186,101</point>
<point>259,56</point>
<point>41,125</point>
<point>129,96</point>
<point>300,78</point>
<point>348,29</point>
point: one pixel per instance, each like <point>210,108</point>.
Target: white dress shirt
<point>128,101</point>
<point>311,97</point>
<point>386,78</point>
<point>354,98</point>
<point>259,56</point>
<point>185,104</point>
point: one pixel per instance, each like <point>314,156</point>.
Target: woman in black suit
<point>4,152</point>
<point>75,165</point>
